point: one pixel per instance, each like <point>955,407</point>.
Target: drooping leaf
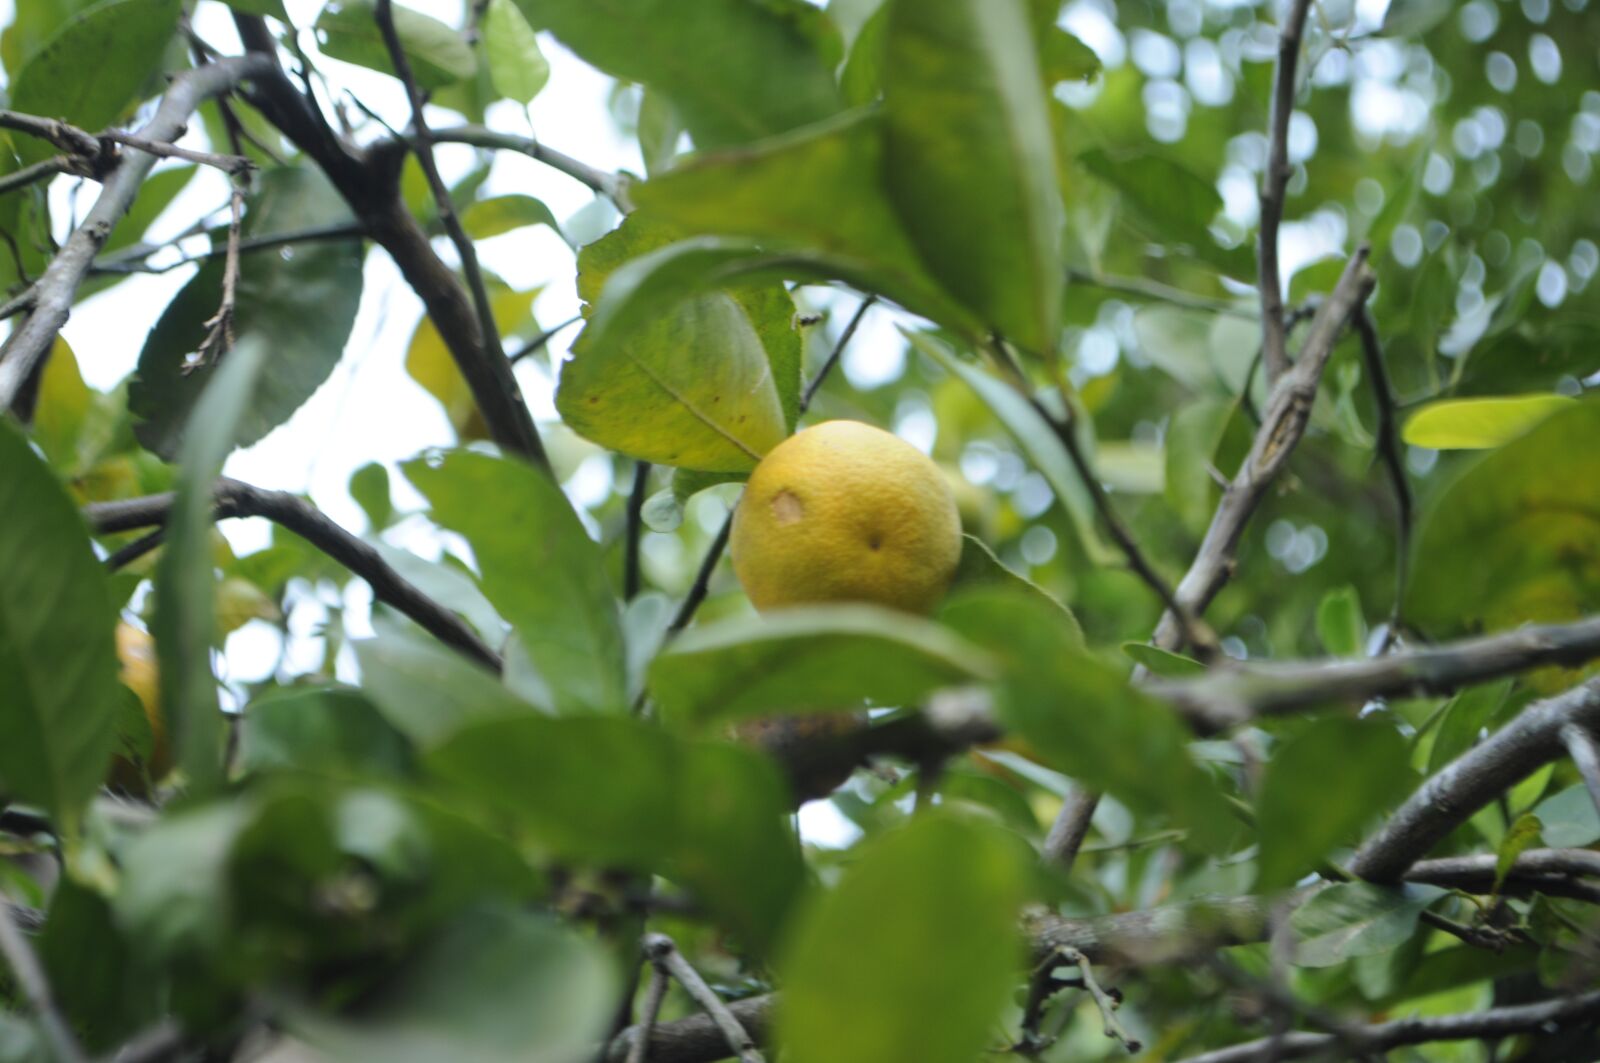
<point>1351,919</point>
<point>1064,57</point>
<point>1340,625</point>
<point>62,408</point>
<point>969,160</point>
<point>495,986</point>
<point>980,568</point>
<point>1037,439</point>
<point>1173,201</point>
<point>621,793</point>
<point>562,606</point>
<point>1515,535</point>
<point>736,71</point>
<point>1298,821</point>
<point>497,215</point>
<point>430,363</point>
<point>300,305</point>
<point>330,731</point>
<point>426,691</point>
<point>517,67</point>
<point>1084,717</point>
<point>369,486</point>
<point>185,604</point>
<point>849,997</point>
<point>58,664</point>
<point>1477,424</point>
<point>1164,663</point>
<point>89,71</point>
<point>811,659</point>
<point>438,56</point>
<point>1196,439</point>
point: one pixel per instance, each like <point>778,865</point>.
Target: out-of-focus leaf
<point>1195,458</point>
<point>90,70</point>
<point>430,363</point>
<point>1463,719</point>
<point>849,997</point>
<point>330,731</point>
<point>185,606</point>
<point>1165,663</point>
<point>811,659</point>
<point>1174,201</point>
<point>58,664</point>
<point>1523,834</point>
<point>969,160</point>
<point>620,793</point>
<point>980,568</point>
<point>736,71</point>
<point>1515,536</point>
<point>1568,819</point>
<point>659,131</point>
<point>173,894</point>
<point>1412,18</point>
<point>1478,424</point>
<point>369,486</point>
<point>517,67</point>
<point>1340,625</point>
<point>301,306</point>
<point>1034,434</point>
<point>1063,57</point>
<point>562,608</point>
<point>495,986</point>
<point>484,218</point>
<point>348,30</point>
<point>61,409</point>
<point>1350,919</point>
<point>1084,717</point>
<point>1297,821</point>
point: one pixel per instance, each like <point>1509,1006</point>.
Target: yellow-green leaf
<point>1477,424</point>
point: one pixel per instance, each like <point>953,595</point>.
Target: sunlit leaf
<point>1477,424</point>
<point>517,68</point>
<point>438,56</point>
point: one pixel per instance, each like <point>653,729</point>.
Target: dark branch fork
<point>1274,183</point>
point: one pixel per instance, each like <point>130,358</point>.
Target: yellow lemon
<point>844,512</point>
<point>136,652</point>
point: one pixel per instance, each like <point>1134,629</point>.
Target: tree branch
<point>30,976</point>
<point>665,956</point>
<point>130,262</point>
<point>1383,1037</point>
<point>488,337</point>
<point>235,499</point>
<point>39,171</point>
<point>1389,449</point>
<point>1282,425</point>
<point>838,352</point>
<point>370,184</point>
<point>1472,780</point>
<point>1161,293</point>
<point>1071,827</point>
<point>634,530</point>
<point>30,342</point>
<point>599,181</point>
<point>1274,182</point>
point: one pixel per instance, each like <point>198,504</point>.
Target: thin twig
<point>39,171</point>
<point>838,351</point>
<point>665,955</point>
<point>702,578</point>
<point>127,554</point>
<point>1274,184</point>
<point>30,977</point>
<point>234,165</point>
<point>1103,1000</point>
<point>31,341</point>
<point>235,499</point>
<point>654,995</point>
<point>1161,293</point>
<point>635,530</point>
<point>1389,452</point>
<point>219,328</point>
<point>539,342</point>
<point>422,144</point>
<point>130,262</point>
<point>1581,747</point>
<point>598,180</point>
<point>17,304</point>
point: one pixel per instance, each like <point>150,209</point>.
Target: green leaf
<point>1036,437</point>
<point>861,81</point>
<point>484,218</point>
<point>809,659</point>
<point>1478,424</point>
<point>1297,821</point>
<point>301,306</point>
<point>621,793</point>
<point>1340,625</point>
<point>1523,833</point>
<point>426,690</point>
<point>63,407</point>
<point>850,996</point>
<point>1063,57</point>
<point>1195,441</point>
<point>430,363</point>
<point>1412,18</point>
<point>107,990</point>
<point>979,567</point>
<point>58,663</point>
<point>1351,919</point>
<point>328,731</point>
<point>517,69</point>
<point>449,583</point>
<point>495,986</point>
<point>185,584</point>
<point>173,896</point>
<point>369,486</point>
<point>563,609</point>
<point>1463,719</point>
<point>91,69</point>
<point>659,131</point>
<point>1515,535</point>
<point>698,382</point>
<point>1172,201</point>
<point>970,160</point>
<point>155,196</point>
<point>736,71</point>
<point>1164,663</point>
<point>1401,196</point>
<point>817,195</point>
<point>348,30</point>
<point>1568,819</point>
<point>1084,717</point>
<point>273,8</point>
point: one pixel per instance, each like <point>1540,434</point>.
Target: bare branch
<point>30,976</point>
<point>1554,872</point>
<point>539,342</point>
<point>1581,747</point>
<point>654,995</point>
<point>1103,1000</point>
<point>1474,779</point>
<point>68,138</point>
<point>130,261</point>
<point>1283,423</point>
<point>235,165</point>
<point>634,530</point>
<point>235,499</point>
<point>1389,452</point>
<point>1071,827</point>
<point>665,955</point>
<point>30,342</point>
<point>1274,182</point>
<point>39,171</point>
<point>695,1039</point>
<point>838,351</point>
<point>605,184</point>
<point>219,329</point>
<point>1383,1037</point>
